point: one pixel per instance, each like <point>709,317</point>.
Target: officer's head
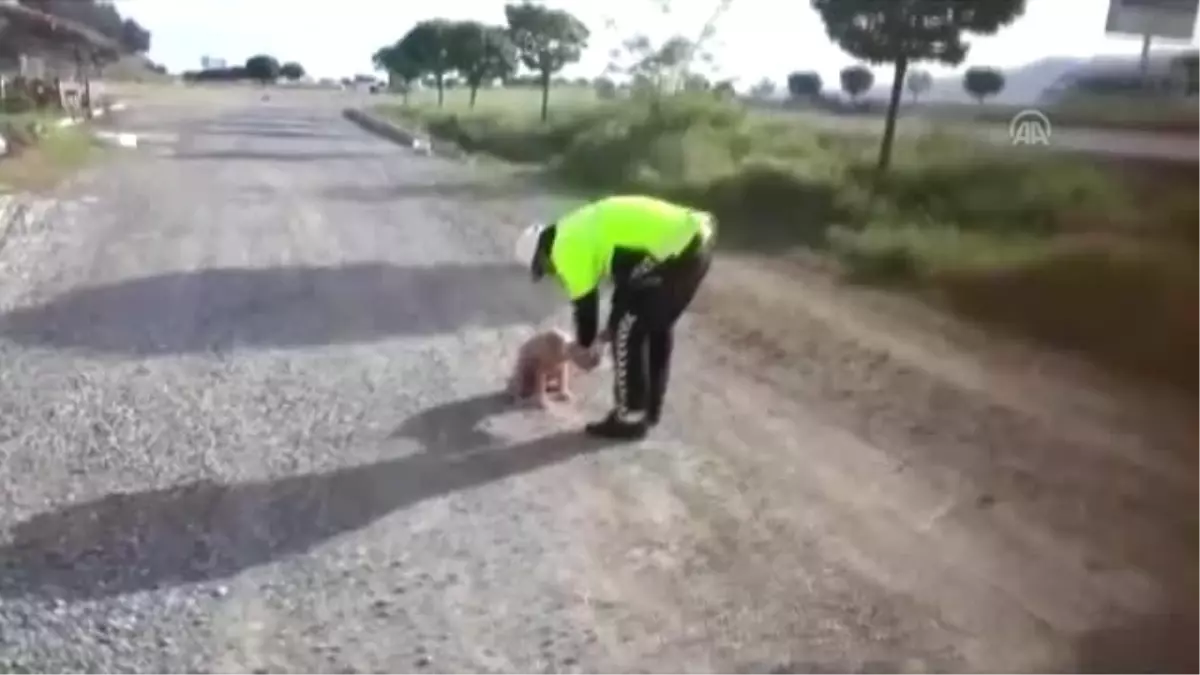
<point>533,249</point>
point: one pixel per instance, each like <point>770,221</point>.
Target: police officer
<point>656,254</point>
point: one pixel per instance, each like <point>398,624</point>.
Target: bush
<point>773,176</point>
<point>921,252</point>
<point>1006,194</point>
<point>20,134</point>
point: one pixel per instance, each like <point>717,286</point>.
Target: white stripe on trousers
<point>621,357</point>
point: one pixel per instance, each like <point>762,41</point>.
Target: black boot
<point>614,428</point>
<point>653,415</point>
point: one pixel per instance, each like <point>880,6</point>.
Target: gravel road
<point>249,422</point>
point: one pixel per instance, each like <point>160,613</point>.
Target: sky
<point>755,38</point>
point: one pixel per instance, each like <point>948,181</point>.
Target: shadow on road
<point>239,308</point>
<point>206,530</point>
<point>226,155</point>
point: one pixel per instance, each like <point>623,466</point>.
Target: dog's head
<point>557,344</point>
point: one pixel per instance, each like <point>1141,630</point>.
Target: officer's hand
<point>585,358</point>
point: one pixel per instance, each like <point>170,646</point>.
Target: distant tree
<point>402,69</point>
<point>764,88</point>
<point>982,82</point>
<point>919,82</point>
<point>428,45</point>
<point>546,41</point>
<point>804,84</point>
<point>905,32</point>
<point>724,89</point>
<point>480,53</point>
<point>292,71</point>
<point>263,68</point>
<point>857,80</point>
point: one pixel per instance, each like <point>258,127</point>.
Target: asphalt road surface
<point>249,422</point>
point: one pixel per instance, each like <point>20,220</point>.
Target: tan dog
<point>542,368</point>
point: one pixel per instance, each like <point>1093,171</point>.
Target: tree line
<point>981,82</point>
<point>544,40</point>
<point>540,39</point>
<point>902,34</point>
<point>262,68</point>
<point>100,17</point>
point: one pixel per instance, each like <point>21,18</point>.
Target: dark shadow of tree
<point>205,530</point>
<point>238,308</point>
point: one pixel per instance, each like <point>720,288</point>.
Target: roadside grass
<point>42,162</point>
<point>1161,115</point>
<point>1092,256</point>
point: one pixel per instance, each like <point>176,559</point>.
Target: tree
<point>857,80</point>
<point>902,32</point>
<point>982,82</point>
<point>480,53</point>
<point>427,44</point>
<point>101,17</point>
<point>764,88</point>
<point>724,89</point>
<point>134,38</point>
<point>546,40</point>
<point>669,66</point>
<point>919,82</point>
<point>399,66</point>
<point>658,68</point>
<point>802,84</point>
<point>263,68</point>
<point>292,71</point>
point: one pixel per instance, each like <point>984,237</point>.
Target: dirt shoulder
<point>1069,483</point>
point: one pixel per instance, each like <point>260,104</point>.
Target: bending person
<point>656,254</point>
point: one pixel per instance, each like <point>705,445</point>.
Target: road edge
<point>17,208</point>
<point>397,134</point>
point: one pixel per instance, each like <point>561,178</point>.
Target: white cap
<point>527,242</point>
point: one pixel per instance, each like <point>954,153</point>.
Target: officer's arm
<point>586,310</point>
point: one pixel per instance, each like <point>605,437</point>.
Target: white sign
<point>1029,127</point>
<point>1171,19</point>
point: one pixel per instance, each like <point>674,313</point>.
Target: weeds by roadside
<point>41,153</point>
<point>1071,251</point>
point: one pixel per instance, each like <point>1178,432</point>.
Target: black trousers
<point>643,339</point>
